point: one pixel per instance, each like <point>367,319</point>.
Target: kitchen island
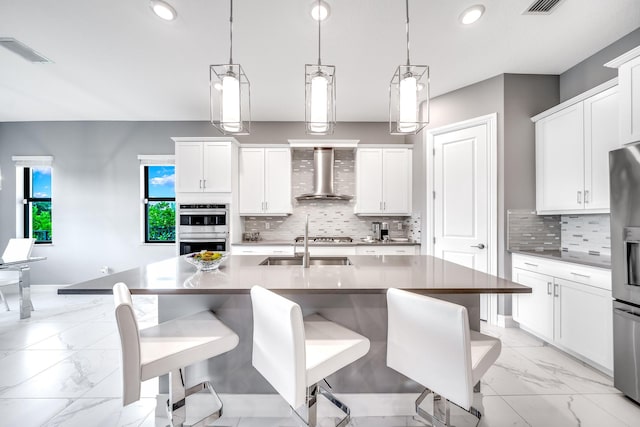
<point>352,295</point>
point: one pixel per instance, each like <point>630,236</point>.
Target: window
<point>159,203</point>
<point>37,203</point>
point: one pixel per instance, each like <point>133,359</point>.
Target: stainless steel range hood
<point>323,177</point>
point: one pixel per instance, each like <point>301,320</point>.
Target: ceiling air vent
<point>22,49</point>
<point>542,7</point>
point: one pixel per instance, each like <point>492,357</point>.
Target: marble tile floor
<point>61,368</point>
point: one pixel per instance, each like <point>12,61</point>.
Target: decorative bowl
<point>206,260</point>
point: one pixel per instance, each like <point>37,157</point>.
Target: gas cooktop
<point>325,239</point>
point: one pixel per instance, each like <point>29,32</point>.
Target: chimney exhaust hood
<point>323,158</point>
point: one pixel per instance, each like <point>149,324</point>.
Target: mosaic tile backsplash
<point>586,233</point>
<point>528,231</point>
<point>326,218</point>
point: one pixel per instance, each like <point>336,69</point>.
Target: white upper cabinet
<point>572,145</point>
<point>203,166</point>
<point>265,181</point>
<point>383,181</point>
<point>628,66</point>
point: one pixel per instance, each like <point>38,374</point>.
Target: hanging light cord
<point>407,4</point>
<point>319,19</point>
<point>231,32</point>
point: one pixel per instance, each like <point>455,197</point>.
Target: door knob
<point>479,246</point>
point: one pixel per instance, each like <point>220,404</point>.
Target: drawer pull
<point>532,265</point>
<point>581,275</point>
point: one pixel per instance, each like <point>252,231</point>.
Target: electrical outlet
<point>105,270</point>
<point>267,226</point>
<point>399,226</point>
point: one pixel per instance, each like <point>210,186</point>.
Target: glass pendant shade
<point>320,97</point>
<point>409,100</point>
<point>230,99</point>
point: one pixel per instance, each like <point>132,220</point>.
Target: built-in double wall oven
<point>203,227</point>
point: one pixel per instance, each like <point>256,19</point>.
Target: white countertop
<point>367,274</point>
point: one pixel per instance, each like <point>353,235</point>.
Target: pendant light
<point>320,95</point>
<point>229,93</point>
<point>409,89</point>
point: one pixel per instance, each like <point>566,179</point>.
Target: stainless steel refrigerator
<point>624,167</point>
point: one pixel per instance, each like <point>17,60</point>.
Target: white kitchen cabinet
<point>273,250</point>
<point>584,320</point>
<point>204,166</point>
<point>329,250</point>
<point>570,306</point>
<point>265,181</point>
<point>628,66</point>
<point>572,145</point>
<point>383,181</point>
<point>388,250</point>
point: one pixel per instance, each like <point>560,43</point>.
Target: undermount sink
<point>318,260</point>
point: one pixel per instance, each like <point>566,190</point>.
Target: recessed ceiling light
<point>163,10</point>
<point>320,11</point>
<point>472,14</point>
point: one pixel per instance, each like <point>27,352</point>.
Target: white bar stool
<point>430,342</point>
<point>17,249</point>
<point>168,348</point>
<point>295,354</point>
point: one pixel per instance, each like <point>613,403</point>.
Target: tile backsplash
<point>586,233</point>
<point>326,217</point>
<point>528,231</point>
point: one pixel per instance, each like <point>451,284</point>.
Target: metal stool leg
<point>4,299</point>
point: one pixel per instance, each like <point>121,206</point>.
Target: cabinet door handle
<point>532,265</point>
<point>581,275</point>
<point>586,196</point>
<point>548,288</point>
<point>555,290</point>
<point>384,206</point>
<point>266,206</point>
<point>579,197</point>
<point>199,183</point>
<point>204,183</point>
<point>380,205</point>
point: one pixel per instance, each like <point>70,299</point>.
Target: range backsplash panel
<point>326,218</point>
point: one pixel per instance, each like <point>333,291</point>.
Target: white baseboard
<point>272,405</point>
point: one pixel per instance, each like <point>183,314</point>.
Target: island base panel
<point>366,314</point>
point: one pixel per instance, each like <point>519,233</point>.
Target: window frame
<point>27,201</point>
<point>146,200</point>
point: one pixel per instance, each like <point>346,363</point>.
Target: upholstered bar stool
<point>294,353</point>
<point>168,348</point>
<point>429,341</point>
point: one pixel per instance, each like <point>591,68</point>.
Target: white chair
<point>295,354</point>
<point>168,348</point>
<point>430,342</point>
<point>17,249</point>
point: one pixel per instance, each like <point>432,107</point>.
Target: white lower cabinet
<point>570,307</point>
<point>279,250</point>
<point>388,250</point>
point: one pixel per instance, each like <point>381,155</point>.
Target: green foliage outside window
<point>161,221</point>
<point>41,221</point>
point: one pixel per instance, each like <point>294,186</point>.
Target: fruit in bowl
<point>206,260</point>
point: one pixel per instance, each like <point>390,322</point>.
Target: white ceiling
<point>114,60</point>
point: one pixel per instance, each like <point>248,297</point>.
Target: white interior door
<point>461,186</point>
<point>462,223</point>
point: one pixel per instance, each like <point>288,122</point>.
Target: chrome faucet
<point>305,255</point>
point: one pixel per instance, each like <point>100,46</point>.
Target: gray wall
<point>96,193</point>
<point>515,98</point>
<point>590,72</point>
